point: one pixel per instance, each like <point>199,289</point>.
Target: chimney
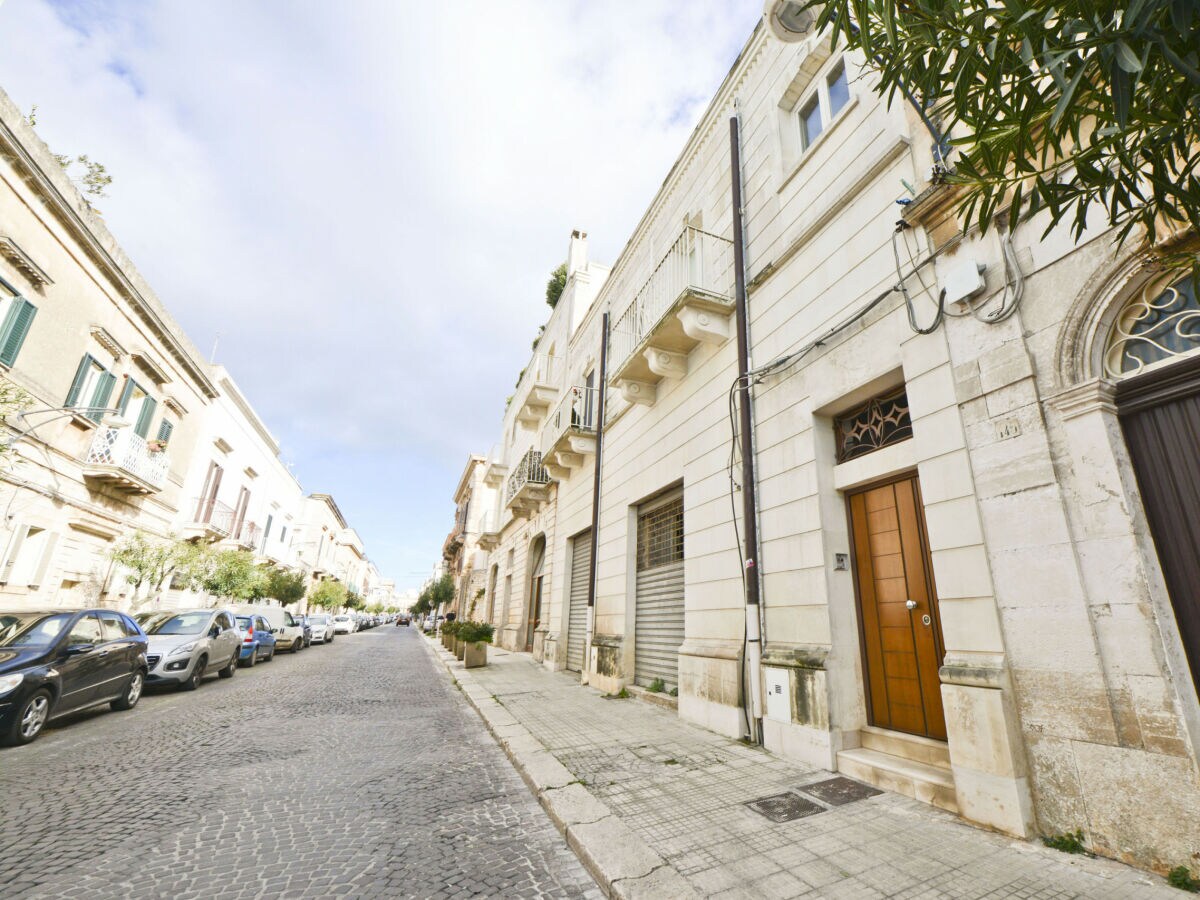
<point>577,252</point>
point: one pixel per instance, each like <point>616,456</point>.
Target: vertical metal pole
<point>591,595</point>
<point>746,424</point>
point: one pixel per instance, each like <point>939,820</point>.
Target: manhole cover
<point>839,791</point>
<point>784,807</point>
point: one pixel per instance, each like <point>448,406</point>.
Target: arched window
<point>1159,325</point>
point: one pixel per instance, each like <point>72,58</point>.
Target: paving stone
<point>353,769</point>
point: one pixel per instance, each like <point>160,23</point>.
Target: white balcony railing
<point>699,265</point>
<point>528,471</point>
<point>121,455</point>
<point>575,414</point>
<point>214,516</point>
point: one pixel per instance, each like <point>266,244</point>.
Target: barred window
<point>660,535</point>
<point>878,423</point>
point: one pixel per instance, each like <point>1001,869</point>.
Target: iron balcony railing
<point>214,515</point>
<point>249,535</point>
<point>529,470</point>
<point>125,449</point>
<point>698,264</point>
<point>575,412</point>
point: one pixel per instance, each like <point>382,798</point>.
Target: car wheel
<point>228,671</point>
<point>31,717</point>
<point>297,644</point>
<point>270,654</point>
<point>197,675</point>
<point>250,660</point>
<point>133,693</point>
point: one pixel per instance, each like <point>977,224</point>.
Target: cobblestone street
<point>355,769</point>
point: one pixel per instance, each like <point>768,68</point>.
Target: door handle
<point>911,604</point>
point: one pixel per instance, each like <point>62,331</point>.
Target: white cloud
<point>365,198</point>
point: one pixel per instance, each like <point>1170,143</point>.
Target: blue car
<point>258,641</point>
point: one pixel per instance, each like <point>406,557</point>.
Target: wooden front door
<point>901,634</point>
<point>1160,415</point>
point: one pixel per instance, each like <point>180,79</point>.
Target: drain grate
<point>784,807</point>
<point>839,791</point>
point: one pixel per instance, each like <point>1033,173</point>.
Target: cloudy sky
<point>364,198</point>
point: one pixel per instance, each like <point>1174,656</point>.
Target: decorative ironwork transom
<point>1159,325</point>
<point>878,423</point>
<point>660,535</point>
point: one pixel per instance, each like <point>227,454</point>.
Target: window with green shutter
<point>164,431</point>
<point>15,328</point>
<point>91,389</point>
<point>145,417</point>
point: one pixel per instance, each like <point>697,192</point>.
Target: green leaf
<point>1127,59</point>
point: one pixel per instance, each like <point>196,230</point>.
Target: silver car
<point>322,628</point>
<point>184,646</point>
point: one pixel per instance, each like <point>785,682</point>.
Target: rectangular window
<point>91,389</point>
<point>137,406</point>
<point>810,122</point>
<point>16,326</point>
<point>164,431</point>
<point>282,534</point>
<point>660,535</point>
<point>839,90</point>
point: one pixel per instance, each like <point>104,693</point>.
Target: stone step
<point>921,781</point>
<point>906,746</point>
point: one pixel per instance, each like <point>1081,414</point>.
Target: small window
<point>839,90</point>
<point>810,122</point>
<point>165,427</point>
<point>115,627</point>
<point>18,319</point>
<point>86,631</point>
<point>660,535</point>
<point>1158,325</point>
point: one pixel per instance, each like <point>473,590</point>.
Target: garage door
<point>581,558</point>
<point>658,626</point>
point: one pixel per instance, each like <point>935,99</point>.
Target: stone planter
<point>475,654</point>
<point>459,648</point>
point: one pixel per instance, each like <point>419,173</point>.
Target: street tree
<point>354,600</point>
<point>555,286</point>
<point>150,561</point>
<point>327,595</point>
<point>286,585</point>
<point>1085,109</point>
<point>234,575</point>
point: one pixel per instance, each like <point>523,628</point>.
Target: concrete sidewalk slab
<point>656,807</point>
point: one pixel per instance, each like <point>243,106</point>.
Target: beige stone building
<point>977,569</point>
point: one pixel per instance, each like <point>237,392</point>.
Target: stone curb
<point>616,857</point>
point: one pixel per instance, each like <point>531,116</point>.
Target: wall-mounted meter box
<point>962,279</point>
<point>779,694</point>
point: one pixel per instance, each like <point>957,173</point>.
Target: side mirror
<point>214,631</point>
<point>80,649</point>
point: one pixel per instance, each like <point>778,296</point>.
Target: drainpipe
<point>746,425</point>
<point>591,596</point>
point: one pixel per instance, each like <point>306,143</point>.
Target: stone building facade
<point>966,593</point>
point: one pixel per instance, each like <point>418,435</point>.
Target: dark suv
<point>59,661</point>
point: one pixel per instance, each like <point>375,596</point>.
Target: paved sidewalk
<point>656,807</point>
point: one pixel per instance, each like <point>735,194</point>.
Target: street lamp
<point>115,420</point>
<point>789,20</point>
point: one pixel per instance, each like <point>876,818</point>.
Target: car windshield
<point>31,629</point>
<point>170,623</point>
<point>244,623</point>
<point>319,620</point>
<point>341,618</point>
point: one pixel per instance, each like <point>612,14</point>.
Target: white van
<point>289,634</point>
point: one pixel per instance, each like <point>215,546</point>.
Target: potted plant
<point>448,631</point>
<point>156,446</point>
<point>475,637</point>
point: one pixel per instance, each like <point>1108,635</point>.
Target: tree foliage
<point>234,575</point>
<point>151,561</point>
<point>94,178</point>
<point>556,284</point>
<point>1080,107</point>
<point>434,594</point>
<point>328,595</point>
<point>354,600</point>
<point>286,585</point>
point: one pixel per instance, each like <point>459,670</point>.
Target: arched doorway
<point>1153,353</point>
<point>537,564</point>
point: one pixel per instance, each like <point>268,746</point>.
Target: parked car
<point>258,641</point>
<point>322,628</point>
<point>344,624</point>
<point>289,634</point>
<point>303,622</point>
<point>61,661</point>
<point>185,646</point>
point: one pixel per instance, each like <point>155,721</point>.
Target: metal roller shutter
<point>658,626</point>
<point>581,558</point>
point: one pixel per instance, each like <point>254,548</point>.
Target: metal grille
<point>581,558</point>
<point>528,471</point>
<point>878,423</point>
<point>1160,325</point>
<point>660,535</point>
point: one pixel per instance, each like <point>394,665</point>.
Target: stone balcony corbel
<point>642,392</point>
<point>666,364</point>
<point>705,326</point>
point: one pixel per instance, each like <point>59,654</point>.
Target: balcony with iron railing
<point>536,389</point>
<point>687,300</point>
<point>570,432</point>
<point>249,535</point>
<point>526,490</point>
<point>124,459</point>
<point>211,519</point>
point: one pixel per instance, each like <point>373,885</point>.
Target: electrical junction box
<point>962,279</point>
<point>779,694</point>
